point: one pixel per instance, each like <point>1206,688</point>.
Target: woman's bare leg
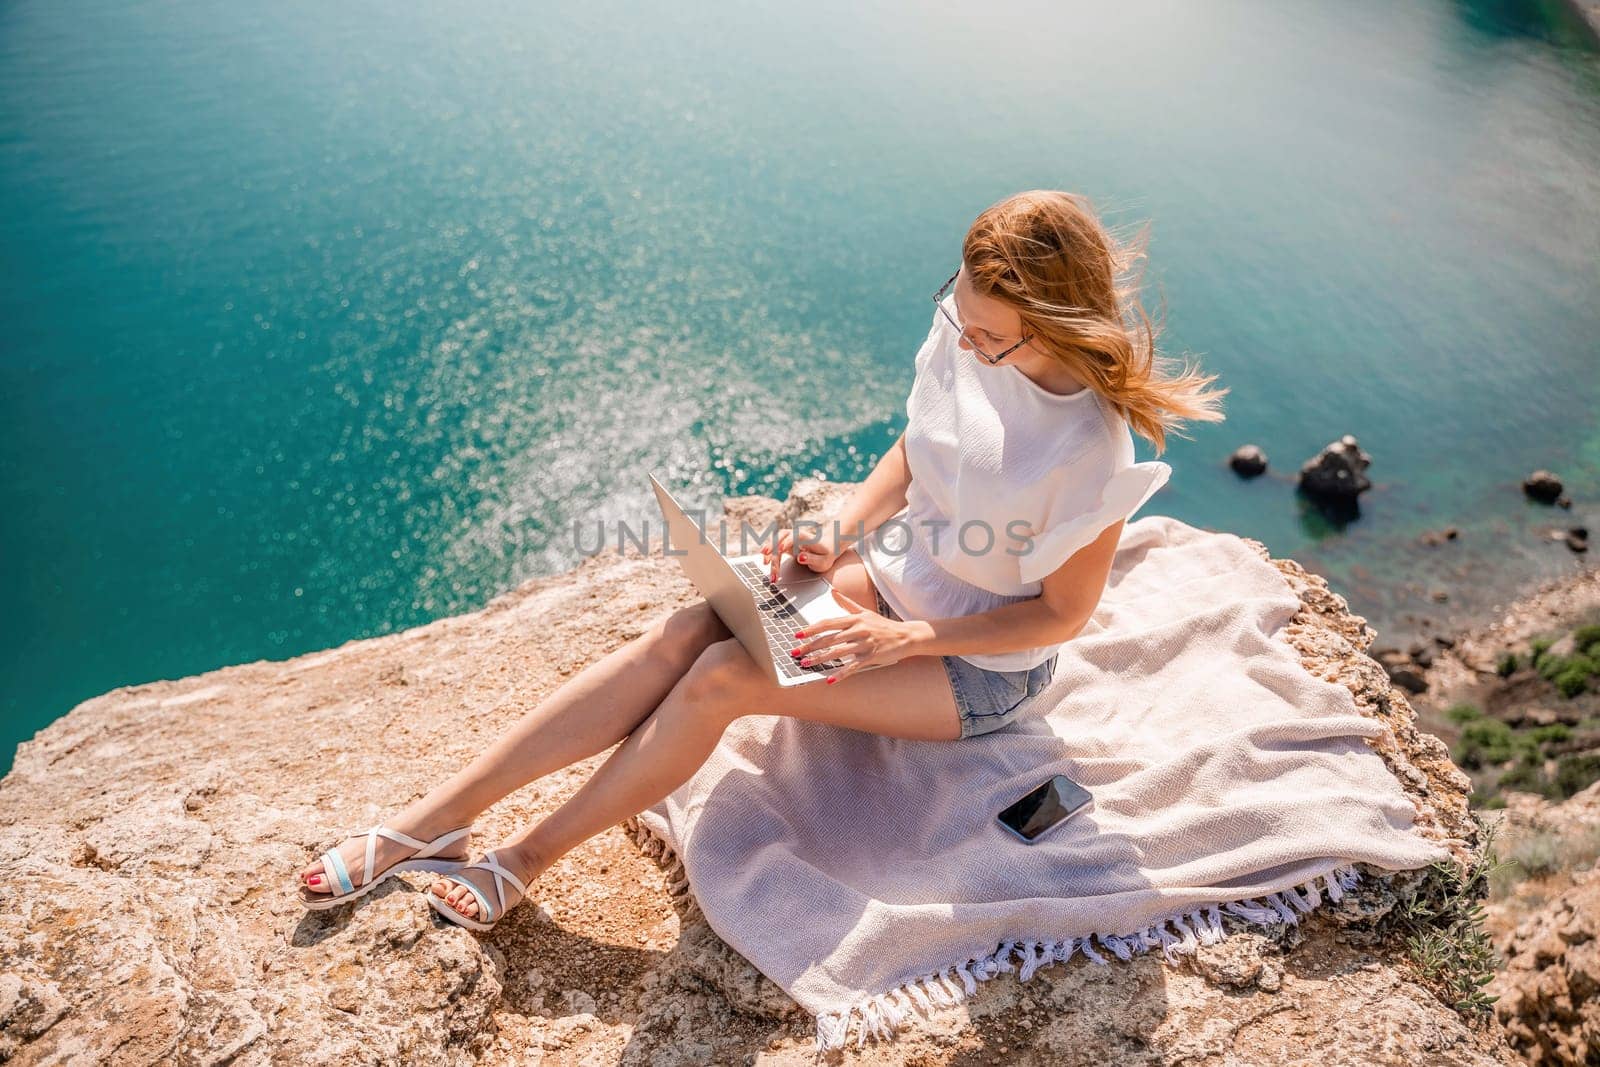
<point>586,715</point>
<point>910,699</point>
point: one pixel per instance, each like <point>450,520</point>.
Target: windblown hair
<point>1046,254</point>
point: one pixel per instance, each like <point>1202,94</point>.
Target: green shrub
<point>1460,713</point>
<point>1572,681</point>
<point>1482,743</point>
<point>1550,666</point>
<point>1536,648</point>
<point>1576,773</point>
<point>1506,663</point>
<point>1527,777</point>
<point>1556,731</point>
<point>1587,638</point>
<point>1486,742</point>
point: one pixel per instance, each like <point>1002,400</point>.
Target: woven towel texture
<point>846,865</point>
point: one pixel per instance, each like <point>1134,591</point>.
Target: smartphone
<point>1054,802</point>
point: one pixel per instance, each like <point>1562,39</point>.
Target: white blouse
<point>1008,481</point>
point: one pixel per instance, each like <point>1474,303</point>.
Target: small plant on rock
<point>1442,920</point>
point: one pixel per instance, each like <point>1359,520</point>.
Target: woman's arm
<point>1066,601</point>
<point>876,499</point>
<point>1025,624</point>
<point>1059,613</point>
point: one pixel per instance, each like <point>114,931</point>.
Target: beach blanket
<point>868,877</point>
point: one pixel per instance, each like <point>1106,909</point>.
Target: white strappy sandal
<point>423,859</point>
<point>491,864</point>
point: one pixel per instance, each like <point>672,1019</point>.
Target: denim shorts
<point>985,699</point>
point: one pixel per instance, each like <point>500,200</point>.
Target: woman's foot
<point>517,861</point>
<point>316,883</point>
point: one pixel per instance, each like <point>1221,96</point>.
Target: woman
<point>1010,487</point>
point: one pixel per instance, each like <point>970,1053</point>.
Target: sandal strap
<point>332,861</point>
<point>434,847</point>
<point>485,912</point>
<point>372,855</point>
<point>491,864</point>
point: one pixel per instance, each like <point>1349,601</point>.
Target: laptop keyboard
<point>780,618</point>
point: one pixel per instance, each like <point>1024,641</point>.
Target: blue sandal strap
<point>333,863</point>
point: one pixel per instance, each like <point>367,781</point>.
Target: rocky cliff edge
<point>149,839</point>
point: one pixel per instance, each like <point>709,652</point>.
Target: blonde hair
<point>1046,254</point>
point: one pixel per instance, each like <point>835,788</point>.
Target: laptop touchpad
<point>815,600</point>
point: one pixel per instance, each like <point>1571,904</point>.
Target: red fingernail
<point>832,680</point>
<point>802,559</point>
<point>797,633</point>
<point>794,652</point>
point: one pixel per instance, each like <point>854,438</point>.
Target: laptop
<point>762,614</point>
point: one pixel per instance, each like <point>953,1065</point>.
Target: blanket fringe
<point>671,865</point>
<point>882,1016</point>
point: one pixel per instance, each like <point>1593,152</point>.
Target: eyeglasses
<point>938,299</point>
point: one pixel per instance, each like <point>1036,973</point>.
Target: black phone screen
<point>1044,807</point>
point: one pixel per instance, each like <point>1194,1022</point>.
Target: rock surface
<point>1550,990</point>
<point>150,839</point>
<point>1548,932</point>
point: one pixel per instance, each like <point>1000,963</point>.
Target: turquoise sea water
<point>325,321</point>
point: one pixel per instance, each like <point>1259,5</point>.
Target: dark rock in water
<point>1576,543</point>
<point>1542,486</point>
<point>1248,461</point>
<point>1564,501</point>
<point>1579,531</point>
<point>1337,475</point>
<point>1439,537</point>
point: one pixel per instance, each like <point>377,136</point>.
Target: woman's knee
<point>722,677</point>
<point>689,631</point>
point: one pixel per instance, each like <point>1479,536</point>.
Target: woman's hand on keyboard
<point>861,639</point>
<point>815,553</point>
